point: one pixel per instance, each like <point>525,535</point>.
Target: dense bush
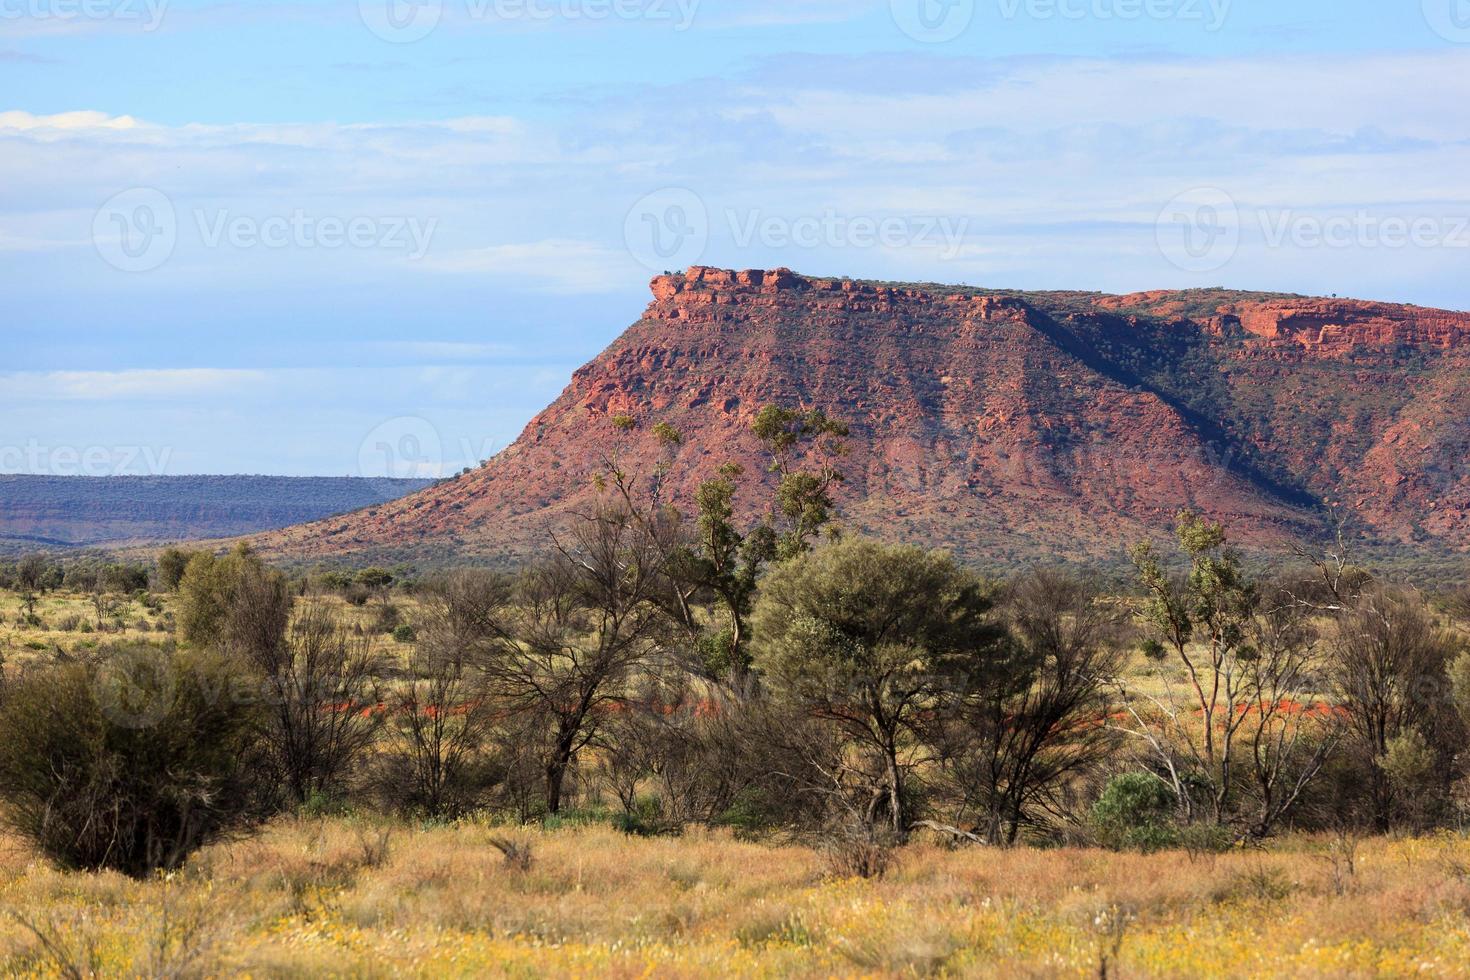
<point>171,565</point>
<point>1136,812</point>
<point>386,618</point>
<point>131,760</point>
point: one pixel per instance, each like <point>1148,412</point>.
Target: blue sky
<point>278,237</point>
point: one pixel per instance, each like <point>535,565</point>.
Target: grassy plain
<point>68,623</point>
<point>335,897</point>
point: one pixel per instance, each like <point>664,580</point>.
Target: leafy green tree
<point>719,561</point>
<point>878,641</point>
<point>1016,745</point>
<point>378,580</point>
<point>1391,670</point>
<point>375,578</point>
<point>30,572</point>
<point>804,503</point>
<point>726,563</point>
<point>582,625</point>
<point>1204,619</point>
<point>233,601</point>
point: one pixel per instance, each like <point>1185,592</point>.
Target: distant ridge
<point>84,511</point>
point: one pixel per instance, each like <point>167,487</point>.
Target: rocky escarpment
<point>1003,425</point>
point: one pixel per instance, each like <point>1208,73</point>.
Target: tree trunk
<point>556,773</point>
<point>895,793</point>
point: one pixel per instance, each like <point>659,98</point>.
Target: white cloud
<point>65,121</point>
<point>147,384</point>
<point>1048,160</point>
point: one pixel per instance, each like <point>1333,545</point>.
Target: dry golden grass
<point>336,897</point>
<point>22,643</point>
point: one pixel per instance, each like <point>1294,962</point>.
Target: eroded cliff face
<point>1005,426</point>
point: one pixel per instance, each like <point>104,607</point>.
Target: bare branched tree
<point>441,760</point>
<point>1016,744</point>
<point>321,683</point>
<point>1289,736</point>
<point>584,620</point>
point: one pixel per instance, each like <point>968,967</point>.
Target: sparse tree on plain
<point>877,640</point>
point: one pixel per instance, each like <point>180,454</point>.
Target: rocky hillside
<point>1006,426</point>
<point>67,511</point>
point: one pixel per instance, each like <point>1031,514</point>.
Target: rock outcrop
<point>1006,426</point>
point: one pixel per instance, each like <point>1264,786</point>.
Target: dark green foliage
<point>1136,812</point>
<point>30,572</point>
<point>131,760</point>
<point>374,578</point>
<point>878,641</point>
<point>233,601</point>
<point>804,501</point>
<point>171,565</point>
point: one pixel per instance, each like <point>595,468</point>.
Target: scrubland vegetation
<point>702,744</point>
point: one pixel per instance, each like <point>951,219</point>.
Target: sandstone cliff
<point>1006,426</point>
